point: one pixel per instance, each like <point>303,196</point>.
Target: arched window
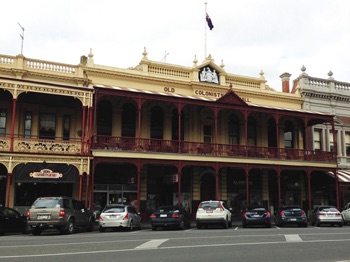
<point>288,135</point>
<point>129,120</point>
<point>233,130</point>
<point>157,123</point>
<point>251,131</point>
<point>104,118</point>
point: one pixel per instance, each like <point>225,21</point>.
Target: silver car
<point>116,216</point>
<point>326,215</point>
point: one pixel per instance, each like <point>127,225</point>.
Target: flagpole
<point>205,34</point>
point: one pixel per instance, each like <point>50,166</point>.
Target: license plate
<point>43,217</point>
<point>113,216</point>
<point>256,216</point>
<point>163,215</point>
<point>293,219</point>
<point>209,211</point>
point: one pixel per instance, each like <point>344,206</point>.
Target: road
<point>214,244</point>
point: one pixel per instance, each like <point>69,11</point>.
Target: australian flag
<point>210,24</point>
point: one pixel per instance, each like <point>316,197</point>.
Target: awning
<point>343,175</point>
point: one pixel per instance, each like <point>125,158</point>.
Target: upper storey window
<point>47,126</point>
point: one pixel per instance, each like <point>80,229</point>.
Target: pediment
<point>232,98</point>
<point>209,72</point>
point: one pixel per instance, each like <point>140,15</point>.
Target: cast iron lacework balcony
<point>39,145</point>
<point>147,145</point>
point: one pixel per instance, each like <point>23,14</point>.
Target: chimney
<point>285,82</point>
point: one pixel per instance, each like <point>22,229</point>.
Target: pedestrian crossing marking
<point>152,244</point>
<point>293,238</point>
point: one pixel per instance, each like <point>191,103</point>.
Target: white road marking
<point>236,228</point>
<point>293,238</point>
<point>152,244</point>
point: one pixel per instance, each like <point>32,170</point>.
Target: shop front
<point>33,180</point>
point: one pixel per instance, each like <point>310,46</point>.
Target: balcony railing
<point>38,145</point>
<point>208,149</point>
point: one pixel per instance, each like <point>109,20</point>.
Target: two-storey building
<point>157,134</point>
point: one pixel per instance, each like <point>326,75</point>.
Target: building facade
<point>333,97</point>
<point>157,134</point>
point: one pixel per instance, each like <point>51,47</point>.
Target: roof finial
<point>144,54</point>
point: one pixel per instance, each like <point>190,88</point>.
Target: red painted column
<point>139,108</point>
<point>309,188</point>
<point>13,123</point>
<point>8,189</point>
<point>247,185</point>
<point>90,130</point>
<point>179,189</point>
<point>80,186</point>
<point>87,192</point>
<point>83,130</point>
<point>279,185</point>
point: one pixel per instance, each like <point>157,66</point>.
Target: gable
<point>232,98</point>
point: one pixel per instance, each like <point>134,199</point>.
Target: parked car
<point>62,213</point>
<point>256,216</point>
<point>345,213</point>
<point>119,216</point>
<point>11,221</point>
<point>326,215</point>
<point>289,215</point>
<point>170,216</point>
<point>213,212</point>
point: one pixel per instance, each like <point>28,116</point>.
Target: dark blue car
<point>256,216</point>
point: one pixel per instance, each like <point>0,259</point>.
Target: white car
<point>345,213</point>
<point>213,212</point>
<point>116,216</point>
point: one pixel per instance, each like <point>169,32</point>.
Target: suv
<point>213,212</point>
<point>61,213</point>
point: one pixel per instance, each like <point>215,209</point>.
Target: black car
<point>289,215</point>
<point>256,216</point>
<point>11,221</point>
<point>170,216</point>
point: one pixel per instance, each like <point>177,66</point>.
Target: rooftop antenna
<point>22,36</point>
<point>164,58</point>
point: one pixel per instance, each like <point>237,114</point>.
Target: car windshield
<point>259,209</point>
<point>168,209</point>
<point>326,208</point>
<point>119,209</point>
<point>46,203</point>
<point>330,209</point>
<point>210,205</point>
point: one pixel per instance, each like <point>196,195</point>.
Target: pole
<point>22,36</point>
<point>205,33</point>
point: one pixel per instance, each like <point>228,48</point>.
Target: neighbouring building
<point>157,134</point>
<point>332,97</point>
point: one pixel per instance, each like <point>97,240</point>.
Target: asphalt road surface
<point>319,244</point>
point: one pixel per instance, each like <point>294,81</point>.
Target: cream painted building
<point>154,133</point>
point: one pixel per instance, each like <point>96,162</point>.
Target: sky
<point>275,36</point>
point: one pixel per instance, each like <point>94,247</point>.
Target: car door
<point>80,214</point>
<point>135,216</point>
<point>11,220</point>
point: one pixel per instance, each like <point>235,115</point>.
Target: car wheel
<point>318,224</point>
<point>131,226</point>
<point>70,227</point>
<point>312,223</point>
<point>305,225</point>
<point>102,229</point>
<point>268,225</point>
<point>154,228</point>
<point>36,232</point>
<point>199,226</point>
<point>340,224</point>
<point>26,230</point>
<point>244,225</point>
